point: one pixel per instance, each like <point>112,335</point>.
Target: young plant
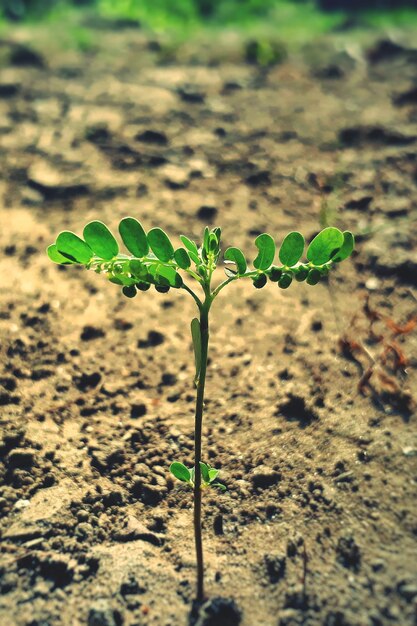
<point>153,261</point>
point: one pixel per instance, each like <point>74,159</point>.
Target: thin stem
<point>199,408</point>
<point>191,292</point>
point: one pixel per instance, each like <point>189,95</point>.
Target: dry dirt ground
<point>311,391</point>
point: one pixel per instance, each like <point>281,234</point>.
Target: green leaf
<point>275,274</point>
<point>266,247</point>
<point>213,243</point>
<point>206,237</point>
<point>73,247</point>
<point>291,249</point>
<point>129,291</point>
<point>160,244</point>
<point>182,258</point>
<point>220,486</point>
<point>285,281</point>
<point>196,335</point>
<point>191,247</point>
<point>120,279</point>
<point>259,281</point>
<point>133,236</point>
<point>213,473</point>
<point>236,256</point>
<point>204,472</point>
<point>347,247</point>
<point>56,257</point>
<point>165,276</point>
<point>180,471</point>
<point>325,245</point>
<point>301,273</point>
<point>100,239</point>
<point>313,277</point>
<point>138,269</point>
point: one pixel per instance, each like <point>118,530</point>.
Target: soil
<point>310,411</point>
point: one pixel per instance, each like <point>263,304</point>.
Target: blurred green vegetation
<point>295,19</point>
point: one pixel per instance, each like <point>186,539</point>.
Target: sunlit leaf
<point>206,239</point>
<point>182,258</point>
<point>133,236</point>
<point>213,473</point>
<point>180,471</point>
<point>165,276</point>
<point>73,247</point>
<point>100,240</point>
<point>347,247</point>
<point>138,269</point>
<point>236,256</point>
<point>266,254</point>
<point>291,249</point>
<point>160,244</point>
<point>191,247</point>
<point>204,472</point>
<point>325,245</point>
<point>56,257</point>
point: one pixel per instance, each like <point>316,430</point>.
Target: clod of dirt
<point>58,568</point>
<point>22,458</point>
<point>103,614</point>
<point>386,50</point>
<point>138,410</point>
<point>168,379</point>
<point>356,136</point>
<point>207,214</point>
<point>264,477</point>
<point>154,339</point>
<point>135,530</point>
<point>191,94</point>
<point>258,178</point>
<point>87,381</point>
<point>295,410</point>
<point>9,90</point>
<point>152,136</point>
<point>216,612</point>
<point>175,176</point>
<point>275,565</point>
<point>405,98</point>
<point>348,553</point>
<point>92,332</point>
<point>23,56</point>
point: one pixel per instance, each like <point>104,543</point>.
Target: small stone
<point>138,410</point>
<point>91,332</point>
<point>22,458</point>
<point>154,339</point>
<point>207,214</point>
<point>103,614</point>
<point>263,477</point>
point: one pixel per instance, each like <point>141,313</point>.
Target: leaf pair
<point>209,475</point>
<point>98,241</point>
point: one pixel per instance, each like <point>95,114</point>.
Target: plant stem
<point>199,408</point>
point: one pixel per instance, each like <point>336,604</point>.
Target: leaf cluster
<point>153,260</point>
<point>209,475</point>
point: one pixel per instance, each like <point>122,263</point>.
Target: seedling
<point>153,261</point>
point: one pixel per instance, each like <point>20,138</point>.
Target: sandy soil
<point>311,391</point>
